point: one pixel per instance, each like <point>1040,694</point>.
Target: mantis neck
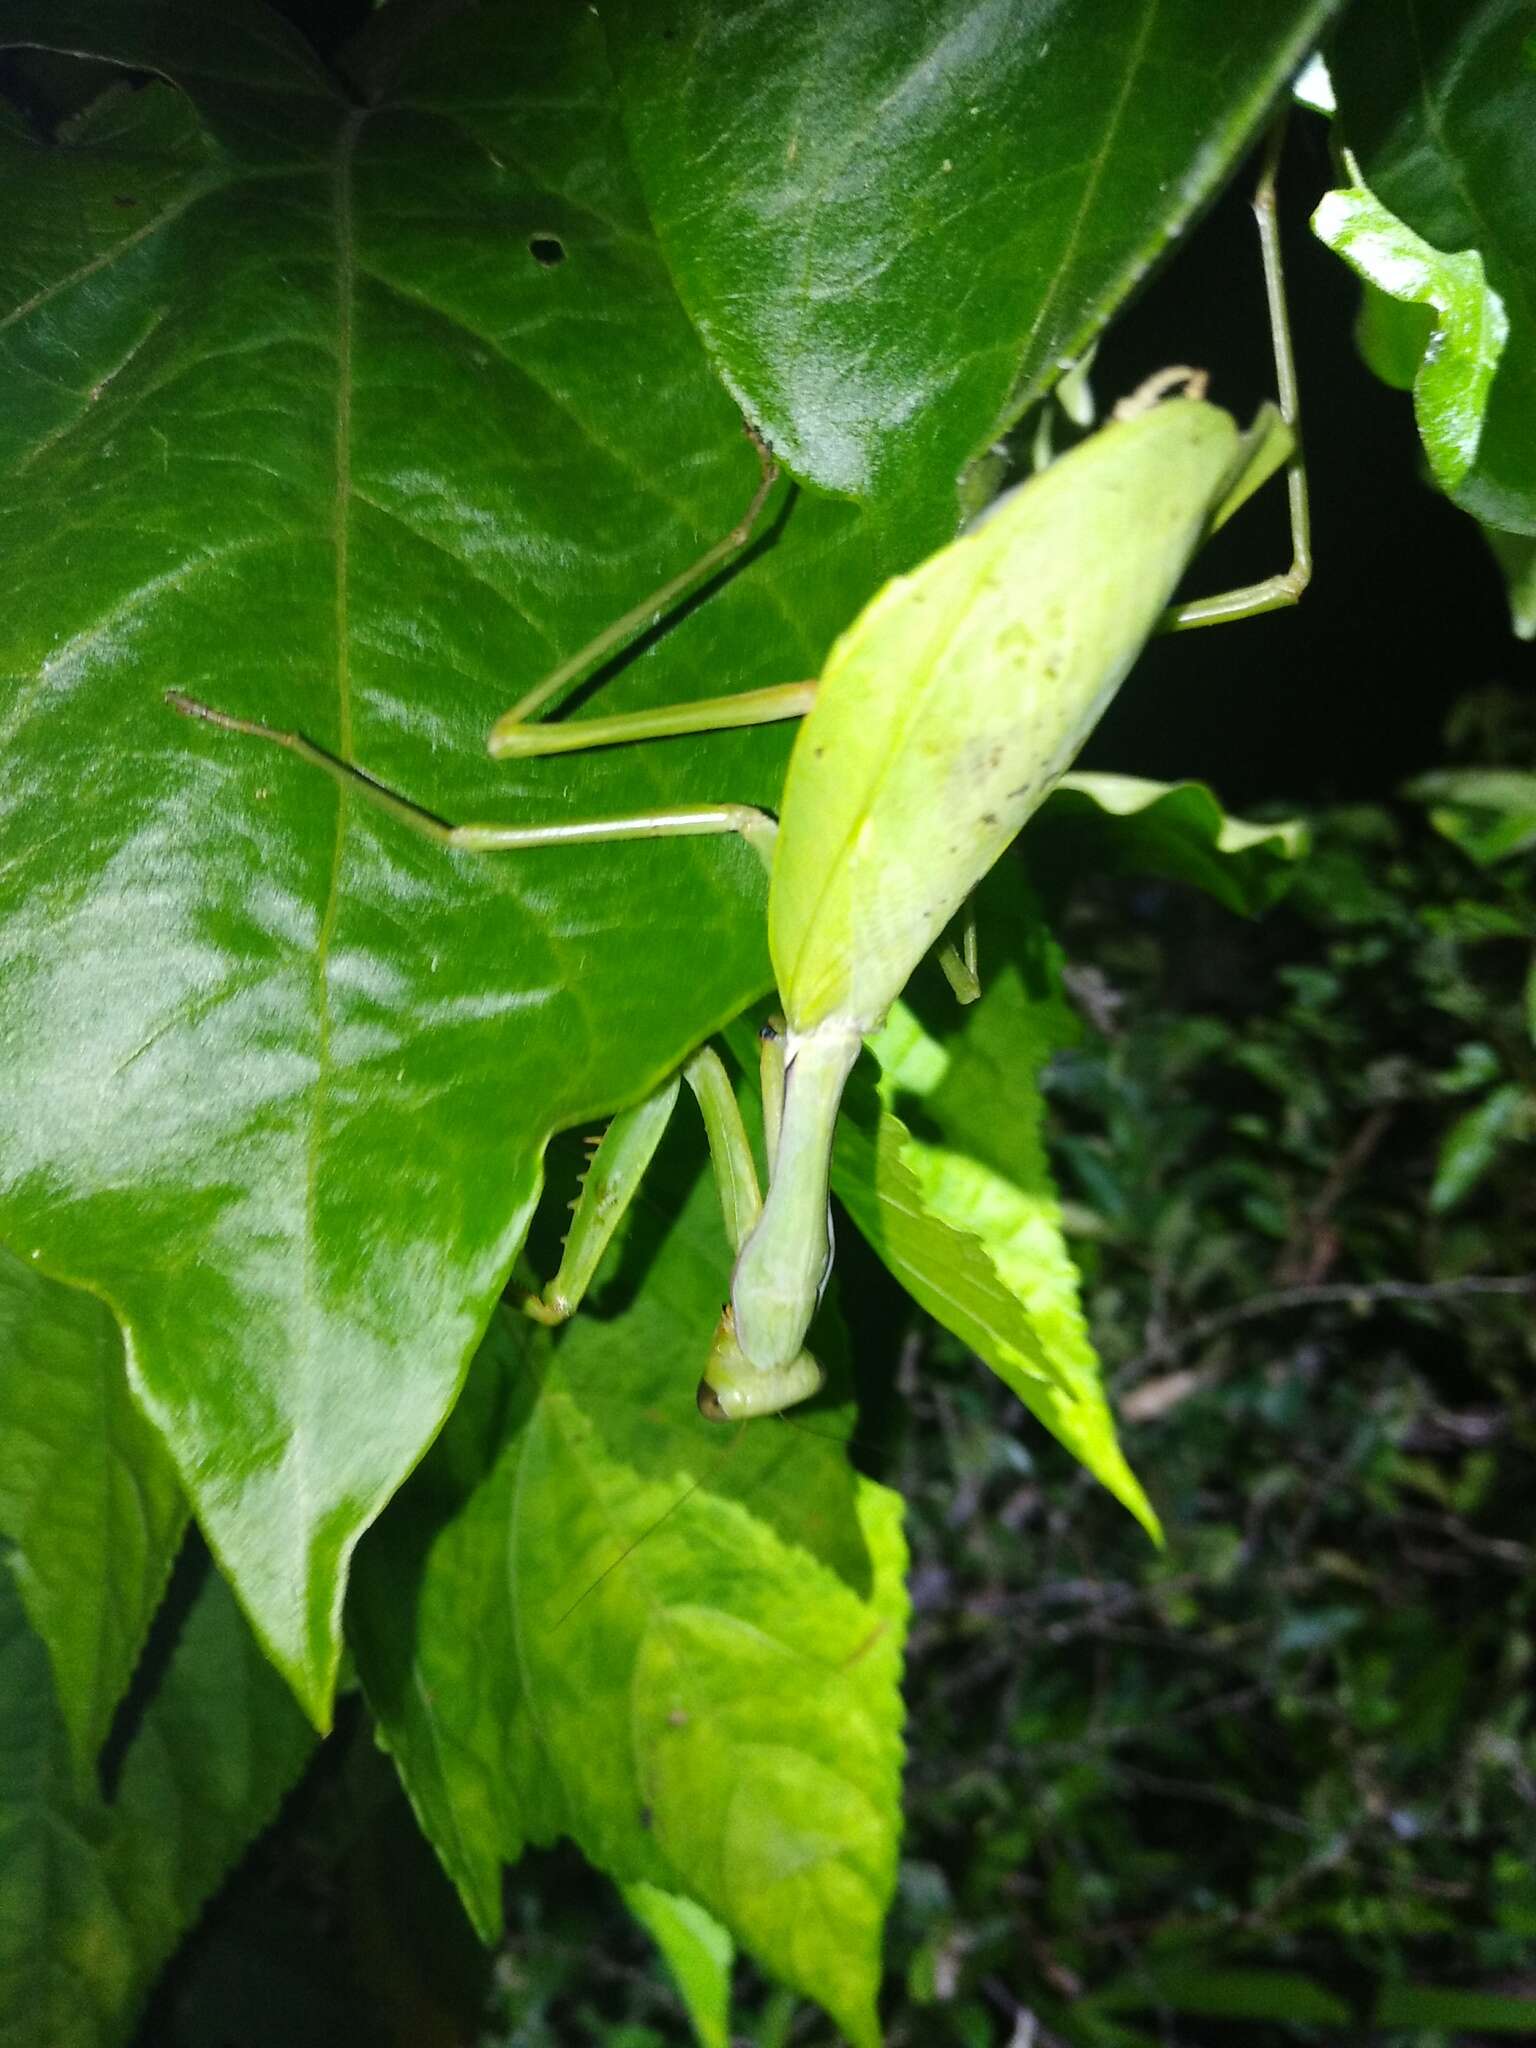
<point>783,1264</point>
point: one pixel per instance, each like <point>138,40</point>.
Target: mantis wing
<point>958,697</point>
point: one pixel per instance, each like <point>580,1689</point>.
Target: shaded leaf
<point>592,1613</point>
<point>915,217</point>
<point>1490,813</point>
<point>94,1899</point>
<point>1392,334</point>
<point>1474,1142</point>
<point>1452,2009</point>
<point>88,1501</point>
<point>1122,824</point>
<point>1226,1994</point>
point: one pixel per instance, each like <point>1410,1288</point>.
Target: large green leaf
<point>94,1898</point>
<point>592,1613</point>
<point>320,438</point>
<point>353,417</point>
<point>895,225</point>
<point>1437,99</point>
<point>88,1501</point>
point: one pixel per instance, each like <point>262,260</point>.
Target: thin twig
<point>1357,1294</point>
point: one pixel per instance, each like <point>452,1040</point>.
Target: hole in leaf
<point>547,249</point>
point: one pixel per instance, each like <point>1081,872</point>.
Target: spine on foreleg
<point>782,1267</point>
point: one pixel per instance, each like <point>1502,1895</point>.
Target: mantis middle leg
<point>1274,592</point>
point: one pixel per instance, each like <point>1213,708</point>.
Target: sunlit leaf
<point>593,1613</point>
<point>967,1216</point>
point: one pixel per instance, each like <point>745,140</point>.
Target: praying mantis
<point>942,719</point>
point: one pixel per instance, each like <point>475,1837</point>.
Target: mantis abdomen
<point>944,717</point>
<point>901,794</point>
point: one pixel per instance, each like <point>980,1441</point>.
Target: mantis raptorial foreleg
<point>614,1172</point>
<point>960,958</point>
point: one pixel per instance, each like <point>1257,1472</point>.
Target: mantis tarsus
<point>944,716</point>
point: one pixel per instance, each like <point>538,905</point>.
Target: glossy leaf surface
<point>915,215</point>
<point>592,1613</point>
<point>1437,99</point>
<point>302,424</point>
<point>89,1504</point>
<point>311,408</point>
<point>93,1899</point>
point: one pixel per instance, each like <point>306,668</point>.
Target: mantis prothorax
<point>944,716</point>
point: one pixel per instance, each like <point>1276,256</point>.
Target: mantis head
<point>734,1390</point>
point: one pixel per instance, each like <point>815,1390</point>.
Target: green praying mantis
<point>943,717</point>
